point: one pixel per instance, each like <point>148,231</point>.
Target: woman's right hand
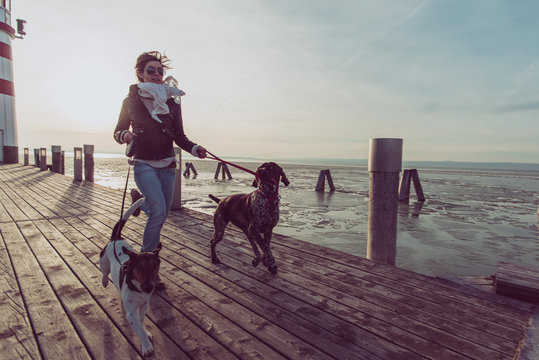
<point>127,137</point>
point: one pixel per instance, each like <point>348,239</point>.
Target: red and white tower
<point>9,150</point>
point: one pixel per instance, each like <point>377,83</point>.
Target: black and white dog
<point>135,277</point>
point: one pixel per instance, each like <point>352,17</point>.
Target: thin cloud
<point>517,107</point>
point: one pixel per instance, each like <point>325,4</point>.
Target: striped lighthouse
<point>9,149</point>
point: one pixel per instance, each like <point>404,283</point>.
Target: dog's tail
<point>214,198</point>
<point>117,231</point>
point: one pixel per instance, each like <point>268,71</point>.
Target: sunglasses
<point>150,70</point>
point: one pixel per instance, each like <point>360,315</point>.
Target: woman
<point>156,122</point>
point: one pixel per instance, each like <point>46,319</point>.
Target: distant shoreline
<point>431,165</point>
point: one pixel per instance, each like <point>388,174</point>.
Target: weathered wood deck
<point>323,304</point>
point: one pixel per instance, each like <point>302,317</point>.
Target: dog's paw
<point>148,352</point>
<point>215,260</point>
<point>149,335</point>
<point>272,269</point>
<point>105,281</point>
<point>256,261</point>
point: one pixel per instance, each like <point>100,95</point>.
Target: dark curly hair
<point>148,56</point>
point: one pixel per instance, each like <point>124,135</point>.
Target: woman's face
<point>153,72</point>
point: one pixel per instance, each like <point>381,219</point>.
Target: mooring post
<point>56,158</point>
<point>63,163</point>
<point>36,157</point>
<point>77,165</point>
<point>225,170</point>
<point>43,159</point>
<point>217,171</point>
<point>321,181</point>
<point>89,163</point>
<point>385,163</point>
<point>26,156</point>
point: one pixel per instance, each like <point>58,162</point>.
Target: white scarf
<point>155,96</point>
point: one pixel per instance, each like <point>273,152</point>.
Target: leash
<point>117,231</point>
<point>215,157</point>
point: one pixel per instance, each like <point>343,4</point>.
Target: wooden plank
<point>518,281</point>
<point>11,207</point>
<point>54,332</point>
<point>16,338</point>
<point>522,271</point>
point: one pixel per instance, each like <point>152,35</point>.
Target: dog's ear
<point>284,179</point>
<point>255,182</point>
<point>129,253</point>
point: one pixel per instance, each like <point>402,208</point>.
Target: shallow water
<point>469,221</point>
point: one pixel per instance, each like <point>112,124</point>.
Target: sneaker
<point>135,195</point>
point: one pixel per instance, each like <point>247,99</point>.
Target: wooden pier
<point>322,304</point>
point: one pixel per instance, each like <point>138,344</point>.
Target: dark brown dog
<point>254,213</point>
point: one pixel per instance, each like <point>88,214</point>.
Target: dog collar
<point>126,273</point>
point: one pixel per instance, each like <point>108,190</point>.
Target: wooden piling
<point>408,177</point>
<point>43,159</point>
<point>385,159</point>
<point>188,167</point>
<point>89,163</point>
<point>320,184</point>
<point>222,166</point>
<point>26,156</point>
<point>63,162</point>
<point>36,157</point>
<point>77,165</point>
<point>56,158</point>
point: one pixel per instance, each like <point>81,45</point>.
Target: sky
<point>455,79</point>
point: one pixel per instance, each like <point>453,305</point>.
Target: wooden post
<point>36,157</point>
<point>221,166</point>
<point>187,171</point>
<point>330,181</point>
<point>217,171</point>
<point>385,162</point>
<point>408,177</point>
<point>63,163</point>
<point>56,158</point>
<point>89,163</point>
<point>188,167</point>
<point>177,194</point>
<point>26,156</point>
<point>195,174</point>
<point>43,159</point>
<point>417,186</point>
<point>77,166</point>
<point>322,179</point>
<point>404,188</point>
<point>225,170</point>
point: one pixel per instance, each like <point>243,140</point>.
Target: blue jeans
<point>157,187</point>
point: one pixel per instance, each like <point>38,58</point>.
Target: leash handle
<point>215,157</point>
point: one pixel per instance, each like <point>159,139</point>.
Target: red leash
<point>215,157</point>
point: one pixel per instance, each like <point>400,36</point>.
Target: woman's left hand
<point>201,152</point>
